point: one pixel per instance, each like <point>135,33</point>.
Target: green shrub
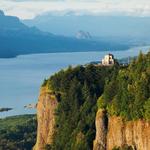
<point>125,147</point>
<point>18,132</point>
<point>147,109</point>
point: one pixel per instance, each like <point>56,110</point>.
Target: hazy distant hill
<point>83,35</point>
<point>17,38</point>
<point>110,27</point>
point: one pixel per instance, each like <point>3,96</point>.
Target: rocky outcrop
<point>119,133</point>
<point>133,133</point>
<point>46,106</point>
<point>110,131</point>
<point>101,133</point>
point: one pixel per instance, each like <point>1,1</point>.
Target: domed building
<point>108,60</point>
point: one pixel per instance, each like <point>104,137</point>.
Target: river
<point>21,77</point>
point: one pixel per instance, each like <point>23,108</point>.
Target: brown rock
<point>120,133</point>
<point>133,133</point>
<point>101,132</point>
<point>46,106</point>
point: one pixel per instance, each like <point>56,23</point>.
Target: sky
<point>27,9</point>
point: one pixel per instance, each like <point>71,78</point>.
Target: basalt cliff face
<point>110,131</point>
<point>46,106</point>
<point>115,132</point>
<point>101,130</point>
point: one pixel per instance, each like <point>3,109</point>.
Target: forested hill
<point>123,91</point>
<point>18,132</point>
<point>77,90</point>
<point>17,38</point>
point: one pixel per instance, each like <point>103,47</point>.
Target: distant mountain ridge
<point>11,26</point>
<point>68,23</point>
<point>83,35</point>
<point>17,39</point>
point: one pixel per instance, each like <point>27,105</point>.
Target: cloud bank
<point>26,9</point>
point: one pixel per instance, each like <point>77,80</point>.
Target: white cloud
<point>31,8</point>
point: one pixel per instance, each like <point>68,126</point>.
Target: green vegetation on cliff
<point>18,132</point>
<point>127,94</point>
<point>122,91</point>
<point>125,147</point>
<point>77,90</point>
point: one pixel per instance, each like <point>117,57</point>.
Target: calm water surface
<point>21,77</point>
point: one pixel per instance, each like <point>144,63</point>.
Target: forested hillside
<point>18,132</point>
<point>121,91</point>
<point>128,93</point>
<point>77,90</point>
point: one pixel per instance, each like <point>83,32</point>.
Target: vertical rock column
<point>101,130</point>
<point>46,106</point>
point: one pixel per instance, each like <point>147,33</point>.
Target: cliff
<point>46,106</point>
<point>101,130</point>
<point>117,91</point>
<point>118,133</point>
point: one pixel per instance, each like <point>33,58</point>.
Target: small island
<point>30,106</point>
<point>5,109</point>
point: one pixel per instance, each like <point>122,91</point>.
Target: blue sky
<point>26,9</point>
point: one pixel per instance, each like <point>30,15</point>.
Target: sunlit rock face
<point>101,130</point>
<point>46,106</point>
<point>119,133</point>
